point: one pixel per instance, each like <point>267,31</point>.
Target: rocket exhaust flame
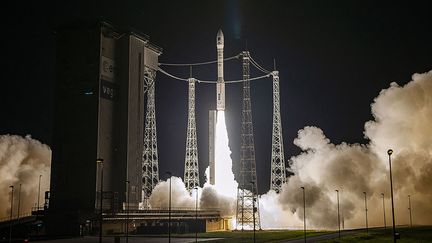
<point>400,114</point>
<point>401,122</point>
<point>224,177</point>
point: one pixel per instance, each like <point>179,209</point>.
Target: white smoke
<point>22,160</point>
<point>221,196</point>
<point>180,197</point>
<point>403,123</point>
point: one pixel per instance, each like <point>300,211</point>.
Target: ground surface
<point>132,239</point>
<point>407,235</point>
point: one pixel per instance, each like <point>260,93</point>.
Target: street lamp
<point>100,163</point>
<point>196,215</point>
<point>37,210</point>
<point>367,230</point>
<point>389,152</point>
<point>385,225</point>
<point>337,193</point>
<point>127,211</point>
<point>409,203</point>
<point>19,201</point>
<point>253,208</point>
<point>11,210</point>
<point>169,207</point>
<point>304,213</point>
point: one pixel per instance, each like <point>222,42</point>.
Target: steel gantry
<point>150,175</point>
<point>278,175</point>
<point>191,169</point>
<point>247,210</point>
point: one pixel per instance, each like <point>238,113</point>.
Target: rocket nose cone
<point>220,37</point>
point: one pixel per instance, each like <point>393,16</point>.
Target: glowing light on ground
<point>224,177</point>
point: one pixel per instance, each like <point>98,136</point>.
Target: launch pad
<point>118,104</point>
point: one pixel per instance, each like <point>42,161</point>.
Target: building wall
<point>75,146</point>
<point>99,113</point>
<point>132,110</point>
<point>219,225</point>
<point>109,117</point>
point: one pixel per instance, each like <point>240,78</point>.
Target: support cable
<point>259,67</point>
<point>172,76</point>
<point>211,81</point>
<point>198,63</point>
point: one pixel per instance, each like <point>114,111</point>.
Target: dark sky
<point>334,57</point>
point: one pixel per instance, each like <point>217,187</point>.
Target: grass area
<point>407,235</point>
<point>261,236</point>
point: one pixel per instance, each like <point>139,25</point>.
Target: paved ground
<point>132,239</point>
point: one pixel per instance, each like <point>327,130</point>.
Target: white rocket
<point>220,86</point>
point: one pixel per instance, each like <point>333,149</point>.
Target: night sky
<point>334,57</point>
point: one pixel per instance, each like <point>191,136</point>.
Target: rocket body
<point>220,86</point>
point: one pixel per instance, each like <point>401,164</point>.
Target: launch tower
<point>191,173</point>
<point>278,175</point>
<point>247,205</point>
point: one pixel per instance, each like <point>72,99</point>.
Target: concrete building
<point>99,113</point>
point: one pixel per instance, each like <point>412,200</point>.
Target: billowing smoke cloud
<point>208,197</point>
<point>22,160</point>
<point>403,123</point>
<point>221,196</point>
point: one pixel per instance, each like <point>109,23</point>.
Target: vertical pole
<point>19,201</point>
<point>11,210</point>
<point>253,209</point>
<point>409,203</point>
<point>367,228</point>
<point>37,210</point>
<point>169,208</point>
<point>385,224</point>
<point>127,212</point>
<point>196,215</point>
<point>389,152</point>
<point>100,163</point>
<point>337,193</point>
<point>242,210</point>
<point>304,213</point>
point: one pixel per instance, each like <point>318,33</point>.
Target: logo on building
<point>108,68</point>
<point>108,90</point>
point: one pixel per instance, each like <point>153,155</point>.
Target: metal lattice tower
<point>248,187</point>
<point>277,160</point>
<point>150,153</point>
<point>191,170</point>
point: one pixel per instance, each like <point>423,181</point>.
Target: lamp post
<point>304,213</point>
<point>127,211</point>
<point>389,152</point>
<point>196,215</point>
<point>409,208</point>
<point>11,210</point>
<point>253,209</point>
<point>40,176</point>
<point>19,201</point>
<point>385,225</point>
<point>367,230</point>
<point>169,207</point>
<point>337,193</point>
<point>100,163</point>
